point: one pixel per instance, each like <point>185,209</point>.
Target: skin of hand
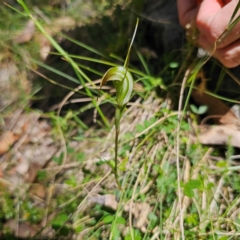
<point>211,18</point>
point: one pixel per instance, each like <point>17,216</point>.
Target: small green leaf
<point>72,181</point>
<point>202,109</point>
<point>209,186</point>
<point>222,164</point>
<point>192,219</point>
<point>189,186</point>
<point>140,127</point>
<point>188,192</point>
<point>80,156</point>
<point>128,237</point>
<point>152,216</point>
<point>70,150</point>
<point>136,233</point>
<point>223,238</point>
<point>41,175</point>
<point>59,220</point>
<point>148,123</point>
<point>122,166</point>
<point>185,126</point>
<point>120,220</point>
<point>111,163</point>
<point>237,221</point>
<point>108,219</point>
<point>59,159</point>
<point>153,219</point>
<point>173,65</point>
<point>194,108</point>
<point>157,168</point>
<point>193,184</point>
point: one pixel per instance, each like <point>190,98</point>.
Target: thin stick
<point>131,201</point>
<point>177,150</point>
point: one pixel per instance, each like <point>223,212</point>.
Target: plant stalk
<point>118,116</point>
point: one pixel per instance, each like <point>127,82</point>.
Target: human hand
<point>211,18</point>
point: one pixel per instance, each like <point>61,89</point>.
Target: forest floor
<point>178,175</point>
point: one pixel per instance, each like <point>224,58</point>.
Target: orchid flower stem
<point>118,116</point>
<point>123,83</point>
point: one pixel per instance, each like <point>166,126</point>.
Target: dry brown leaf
<point>38,190</point>
<point>22,229</point>
<point>65,23</point>
<point>32,172</point>
<point>220,113</point>
<point>220,135</point>
<point>1,172</point>
<point>107,200</point>
<point>45,47</point>
<point>142,219</point>
<point>22,167</point>
<point>7,140</point>
<point>217,110</point>
<point>26,34</point>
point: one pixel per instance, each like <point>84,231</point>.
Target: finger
<point>232,34</point>
<point>228,56</point>
<point>213,19</point>
<point>207,11</point>
<point>187,11</point>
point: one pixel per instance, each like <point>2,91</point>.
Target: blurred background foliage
<point>105,26</point>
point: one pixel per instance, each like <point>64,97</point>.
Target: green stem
<point>118,116</point>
